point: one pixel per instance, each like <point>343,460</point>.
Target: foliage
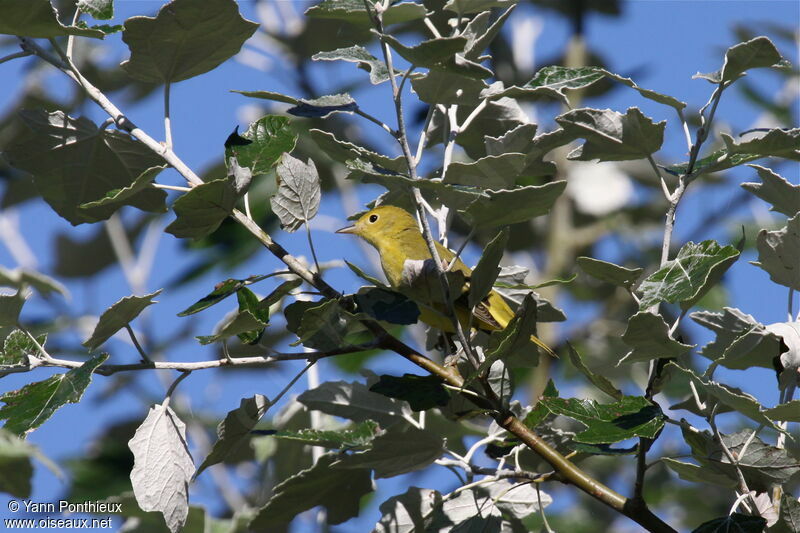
<point>498,182</point>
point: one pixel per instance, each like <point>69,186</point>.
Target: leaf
<point>468,7</point>
<point>736,400</point>
<point>779,253</point>
<point>447,88</point>
<point>540,411</point>
<point>479,37</point>
<point>789,517</point>
<point>222,290</point>
<point>363,275</point>
<point>421,392</point>
<point>354,402</point>
<point>715,162</point>
<point>117,197</point>
<point>243,322</point>
<point>648,334</point>
<point>646,93</point>
<point>699,474</point>
<point>116,317</point>
<point>99,9</point>
<point>16,469</point>
<point>514,339</point>
<point>490,172</point>
<point>162,466</point>
<point>685,279</point>
<point>358,436</point>
<point>378,72</point>
<point>611,136</point>
<point>353,11</point>
<point>775,190</point>
<point>506,207</point>
<point>551,82</point>
<point>430,53</point>
<point>29,407</point>
<point>409,512</point>
<point>337,490</point>
<point>762,465</point>
<point>249,302</point>
<point>632,416</point>
<point>200,211</point>
<point>324,106</point>
<point>755,53</point>
<point>73,162</point>
<point>344,152</point>
<point>511,285</point>
<point>37,19</point>
<point>234,431</point>
<point>199,37</point>
<point>397,451</point>
<point>741,342</point>
<point>387,305</point>
<point>18,346</point>
<point>270,136</point>
<point>322,325</point>
<point>609,272</point>
<point>298,196</point>
<point>598,380</point>
<point>11,307</point>
<point>471,510</point>
<point>776,142</point>
<point>21,277</point>
<point>785,412</point>
<point>487,269</point>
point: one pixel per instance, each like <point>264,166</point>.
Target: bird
<point>406,262</point>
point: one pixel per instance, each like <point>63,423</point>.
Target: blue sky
<point>664,42</point>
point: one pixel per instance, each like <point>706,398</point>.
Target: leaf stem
<point>145,358</point>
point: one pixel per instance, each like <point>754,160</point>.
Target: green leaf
<point>487,269</point>
<point>741,341</point>
<point>18,346</point>
<point>199,37</point>
<point>609,272</point>
<point>343,152</point>
<point>612,136</point>
<point>409,512</point>
<point>755,53</point>
<point>398,451</point>
<point>776,142</point>
<point>479,37</point>
<point>353,401</point>
<point>249,302</point>
<point>298,196</point>
<point>16,469</point>
<point>73,163</point>
<point>685,279</point>
<point>421,392</point>
<point>357,436</point>
<point>353,11</point>
<point>736,400</point>
<point>11,307</point>
<point>363,275</point>
<point>270,136</point>
<point>428,53</point>
<point>775,190</point>
<point>200,211</point>
<point>378,72</point>
<point>514,339</point>
<point>322,325</point>
<point>789,517</point>
<point>447,88</point>
<point>22,277</point>
<point>234,431</point>
<point>387,305</point>
<point>540,411</point>
<point>648,336</point>
<point>506,207</point>
<point>715,162</point>
<point>31,406</point>
<point>323,106</point>
<point>551,82</point>
<point>699,474</point>
<point>598,380</point>
<point>785,412</point>
<point>37,19</point>
<point>646,93</point>
<point>99,9</point>
<point>632,416</point>
<point>222,290</point>
<point>243,323</point>
<point>116,317</point>
<point>337,490</point>
<point>779,253</point>
<point>511,285</point>
<point>490,172</point>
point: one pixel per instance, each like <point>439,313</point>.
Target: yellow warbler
<point>403,250</point>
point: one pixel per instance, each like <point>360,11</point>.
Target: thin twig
<point>380,123</point>
<point>15,55</point>
<point>171,187</point>
<point>167,120</point>
<point>145,358</point>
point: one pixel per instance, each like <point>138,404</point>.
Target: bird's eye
<point>373,218</point>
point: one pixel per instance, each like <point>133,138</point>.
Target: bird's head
<point>383,224</point>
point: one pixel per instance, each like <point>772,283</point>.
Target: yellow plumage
<point>403,252</point>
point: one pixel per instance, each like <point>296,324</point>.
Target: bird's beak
<point>348,229</point>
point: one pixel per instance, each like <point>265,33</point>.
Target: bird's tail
<point>541,344</point>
